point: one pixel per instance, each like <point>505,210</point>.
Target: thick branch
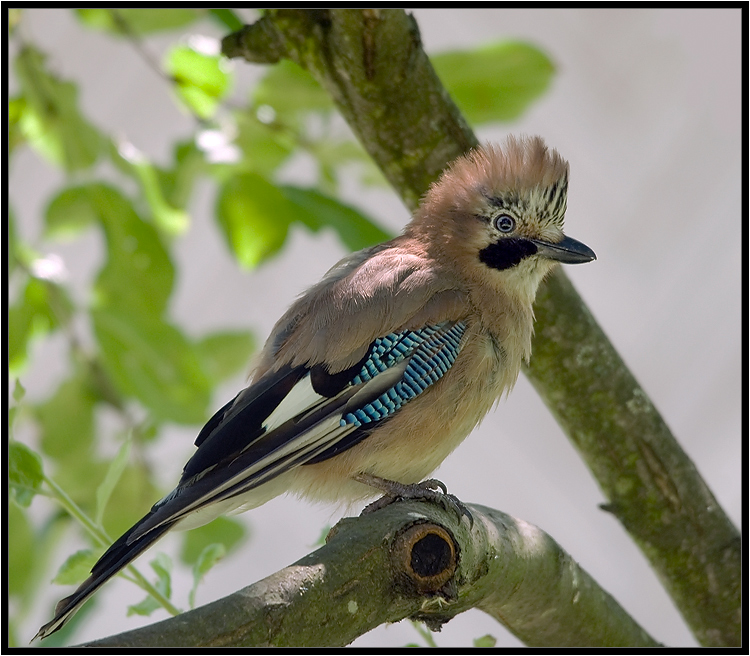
<point>409,560</point>
<point>372,63</point>
<point>652,486</point>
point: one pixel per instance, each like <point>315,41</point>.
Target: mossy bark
<point>410,559</point>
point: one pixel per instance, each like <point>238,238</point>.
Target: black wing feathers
<point>240,421</point>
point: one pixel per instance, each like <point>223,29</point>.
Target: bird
<point>375,374</point>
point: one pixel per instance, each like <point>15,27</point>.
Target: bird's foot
<point>429,490</point>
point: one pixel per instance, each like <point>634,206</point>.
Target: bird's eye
<point>505,223</point>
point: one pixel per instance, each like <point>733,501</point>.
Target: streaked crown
<point>523,174</point>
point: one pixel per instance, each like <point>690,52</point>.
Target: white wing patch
<point>301,397</point>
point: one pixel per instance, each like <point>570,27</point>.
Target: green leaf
<point>211,555</point>
<point>224,354</point>
<point>138,275</point>
<point>114,472</point>
<point>43,307</point>
<point>290,91</point>
<point>170,220</point>
<point>140,21</point>
<point>255,217</point>
<point>25,474</point>
<point>19,253</point>
<point>223,530</point>
<point>162,565</point>
<point>66,420</point>
<point>485,642</point>
<point>18,391</point>
<point>154,362</point>
<point>178,182</point>
<point>497,82</point>
<point>144,608</point>
<point>68,214</point>
<point>318,210</point>
<point>24,324</point>
<point>202,80</point>
<point>16,109</point>
<point>264,148</point>
<point>51,120</point>
<point>76,567</point>
<point>21,551</point>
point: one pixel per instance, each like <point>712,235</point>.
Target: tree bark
<point>410,559</point>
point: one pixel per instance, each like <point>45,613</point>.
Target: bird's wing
<point>319,398</point>
<point>301,415</point>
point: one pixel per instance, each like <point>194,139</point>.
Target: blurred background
<point>646,106</point>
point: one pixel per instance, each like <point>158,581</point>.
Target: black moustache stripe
<point>506,253</point>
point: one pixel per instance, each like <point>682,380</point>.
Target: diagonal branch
<point>411,559</point>
<point>372,63</point>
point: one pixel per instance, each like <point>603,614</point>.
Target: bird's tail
<point>114,559</point>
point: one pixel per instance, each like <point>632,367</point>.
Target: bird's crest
<point>523,172</point>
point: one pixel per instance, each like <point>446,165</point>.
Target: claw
<point>426,490</point>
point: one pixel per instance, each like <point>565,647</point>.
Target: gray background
<point>646,107</point>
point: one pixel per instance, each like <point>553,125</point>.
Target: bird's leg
<point>429,490</point>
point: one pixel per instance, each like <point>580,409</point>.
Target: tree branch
<point>411,559</point>
<point>372,63</point>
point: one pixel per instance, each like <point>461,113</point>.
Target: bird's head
<point>497,215</point>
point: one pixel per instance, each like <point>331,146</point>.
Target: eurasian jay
<point>375,374</point>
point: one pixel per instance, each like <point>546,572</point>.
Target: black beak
<point>567,251</point>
